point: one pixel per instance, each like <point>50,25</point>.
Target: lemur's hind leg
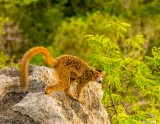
<point>80,87</point>
<point>67,90</point>
<point>59,86</point>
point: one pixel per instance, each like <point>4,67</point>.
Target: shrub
<point>131,86</point>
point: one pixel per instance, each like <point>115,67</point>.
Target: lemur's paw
<point>80,100</point>
<point>48,93</point>
<point>70,95</point>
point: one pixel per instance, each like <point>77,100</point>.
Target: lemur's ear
<point>102,72</point>
<point>97,69</point>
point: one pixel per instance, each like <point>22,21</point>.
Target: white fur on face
<point>99,79</point>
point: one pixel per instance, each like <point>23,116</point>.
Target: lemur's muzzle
<point>99,80</point>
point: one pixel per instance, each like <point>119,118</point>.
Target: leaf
<point>126,24</point>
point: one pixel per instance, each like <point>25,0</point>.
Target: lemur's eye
<point>98,76</point>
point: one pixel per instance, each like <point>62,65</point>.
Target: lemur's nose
<point>99,80</point>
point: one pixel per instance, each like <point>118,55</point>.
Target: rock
<point>8,82</point>
<point>36,107</point>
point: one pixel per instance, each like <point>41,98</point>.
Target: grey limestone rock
<point>35,107</point>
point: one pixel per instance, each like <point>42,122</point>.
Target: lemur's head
<point>97,75</point>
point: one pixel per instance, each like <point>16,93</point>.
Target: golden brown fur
<point>67,68</point>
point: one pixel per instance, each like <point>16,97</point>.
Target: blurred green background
<point>61,26</point>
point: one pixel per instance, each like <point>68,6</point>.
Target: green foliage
<point>11,3</point>
<point>49,23</point>
<point>70,34</point>
<point>37,20</point>
<point>131,90</point>
<point>155,60</point>
<point>2,22</point>
<point>4,59</point>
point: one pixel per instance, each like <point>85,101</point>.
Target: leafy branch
<point>129,80</point>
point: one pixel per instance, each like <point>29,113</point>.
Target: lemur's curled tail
<point>24,81</point>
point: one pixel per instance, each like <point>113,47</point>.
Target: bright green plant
<point>131,90</point>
